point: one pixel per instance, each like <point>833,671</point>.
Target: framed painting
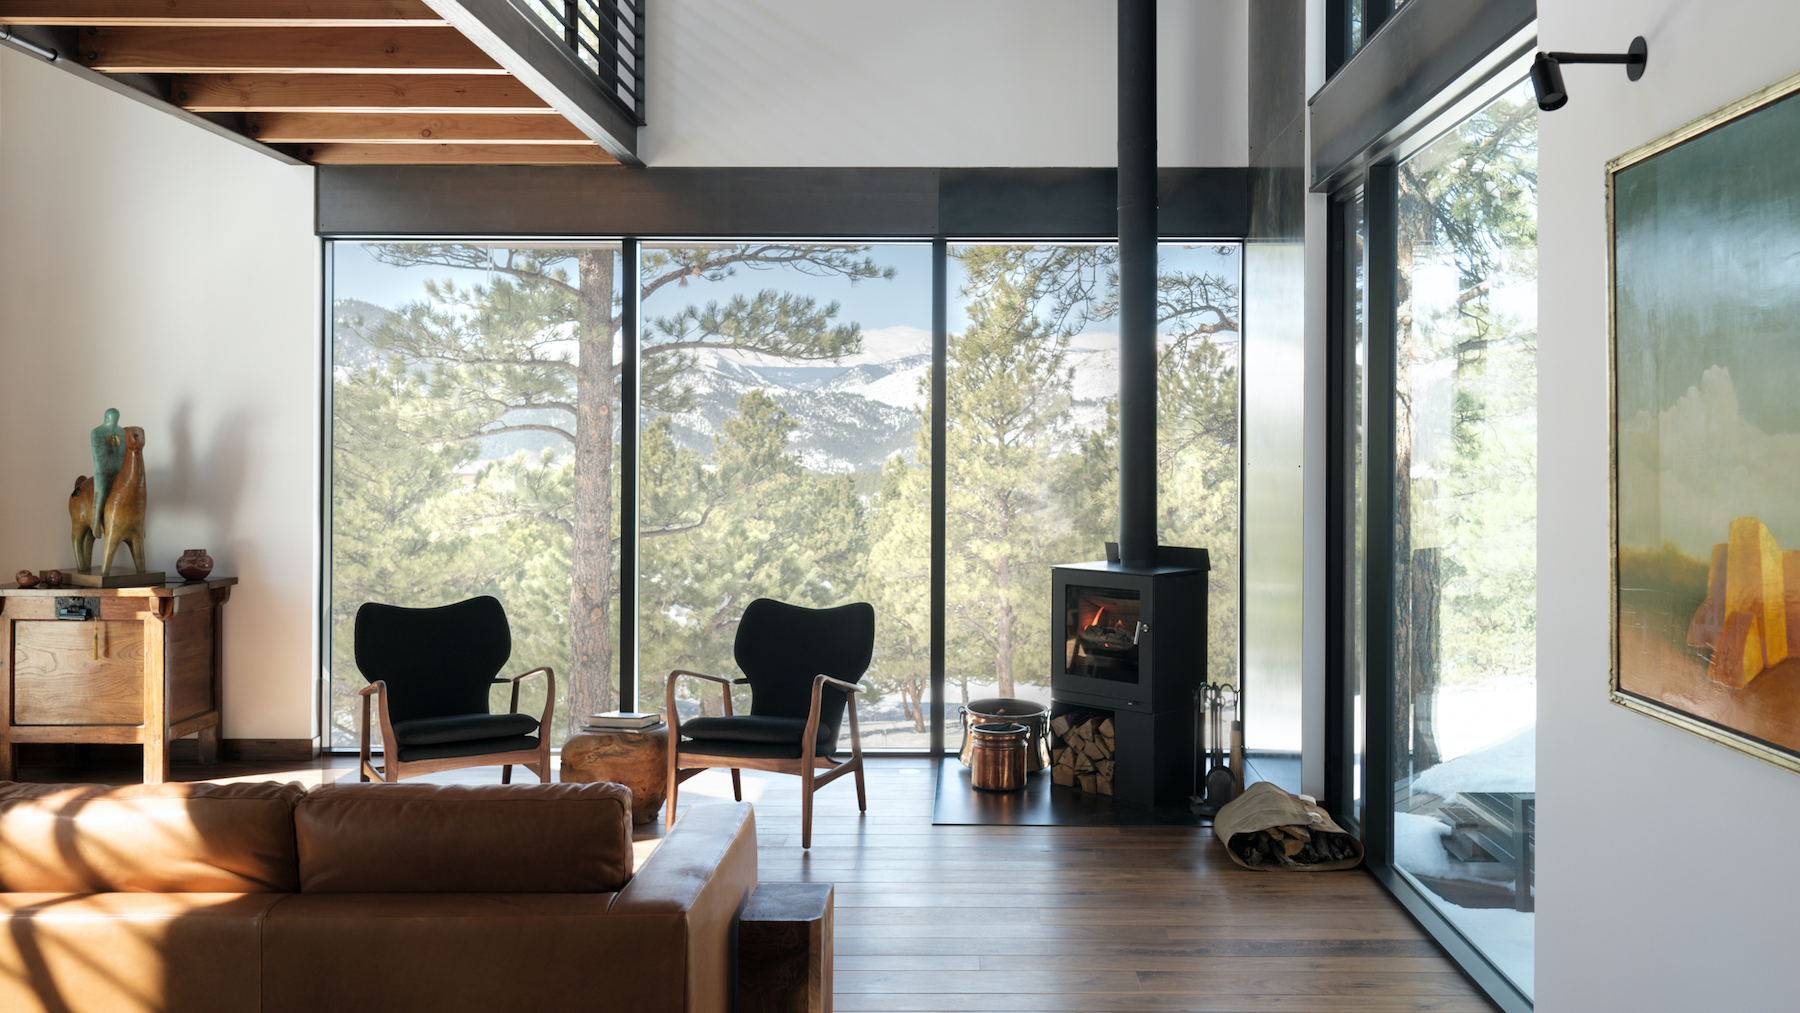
<point>1705,349</point>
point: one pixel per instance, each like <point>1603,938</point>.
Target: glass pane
<point>1465,489</point>
<point>785,454</point>
<point>1032,391</point>
<point>474,452</point>
<point>1033,379</point>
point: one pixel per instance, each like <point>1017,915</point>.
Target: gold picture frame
<point>1701,225</point>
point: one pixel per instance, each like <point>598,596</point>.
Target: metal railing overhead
<point>607,36</point>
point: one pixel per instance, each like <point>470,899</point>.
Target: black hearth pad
<point>1043,804</point>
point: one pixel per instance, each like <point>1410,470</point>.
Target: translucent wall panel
<point>474,451</point>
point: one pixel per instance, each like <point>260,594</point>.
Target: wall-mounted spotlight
<point>1546,70</point>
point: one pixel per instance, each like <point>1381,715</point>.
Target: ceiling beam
<point>353,93</point>
<point>282,51</point>
<point>456,154</point>
<point>220,13</point>
<point>340,128</point>
<point>520,41</point>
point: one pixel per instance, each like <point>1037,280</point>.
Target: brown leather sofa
<point>266,897</point>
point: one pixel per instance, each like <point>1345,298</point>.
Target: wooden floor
<point>1085,920</point>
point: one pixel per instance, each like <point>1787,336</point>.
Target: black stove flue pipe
<point>1137,282</point>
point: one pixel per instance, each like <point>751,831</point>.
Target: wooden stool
<point>639,760</point>
<point>784,949</point>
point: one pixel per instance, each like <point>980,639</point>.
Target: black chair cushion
<point>745,750</point>
<point>470,747</point>
<point>748,728</point>
<point>436,661</point>
<point>463,728</point>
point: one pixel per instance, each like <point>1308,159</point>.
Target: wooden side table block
<point>637,760</point>
<point>784,949</point>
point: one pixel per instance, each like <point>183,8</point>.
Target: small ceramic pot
<point>26,578</point>
<point>194,564</point>
<point>53,578</point>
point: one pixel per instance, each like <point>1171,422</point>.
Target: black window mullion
<point>940,356</point>
<point>629,286</point>
<point>1339,519</point>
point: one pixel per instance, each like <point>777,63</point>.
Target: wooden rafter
<point>406,128</point>
<point>353,93</point>
<point>456,154</point>
<point>220,13</point>
<point>352,81</point>
<point>282,51</point>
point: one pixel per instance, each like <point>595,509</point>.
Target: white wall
<point>149,266</point>
<point>1697,911</point>
<point>931,83</point>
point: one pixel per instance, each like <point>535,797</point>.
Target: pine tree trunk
<point>591,679</point>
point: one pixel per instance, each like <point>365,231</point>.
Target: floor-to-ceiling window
<point>1435,552</point>
<point>782,401</point>
<point>474,393</point>
<point>1032,443</point>
<point>786,394</point>
<point>1464,554</point>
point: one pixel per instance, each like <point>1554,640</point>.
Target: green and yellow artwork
<point>1706,359</point>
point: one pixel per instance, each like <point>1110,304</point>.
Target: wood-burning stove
<point>1131,640</point>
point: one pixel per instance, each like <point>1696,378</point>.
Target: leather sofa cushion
<point>463,728</point>
<point>132,952</point>
<point>432,953</point>
<point>415,837</point>
<point>156,838</point>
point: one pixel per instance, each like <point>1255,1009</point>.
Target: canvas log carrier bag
<point>1266,828</point>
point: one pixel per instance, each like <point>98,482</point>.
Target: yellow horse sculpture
<point>118,521</point>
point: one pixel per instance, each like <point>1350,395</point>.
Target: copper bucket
<point>1007,711</point>
<point>999,756</point>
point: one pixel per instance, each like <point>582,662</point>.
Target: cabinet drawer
<point>57,680</point>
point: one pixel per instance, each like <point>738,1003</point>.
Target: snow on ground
<point>1418,849</point>
<point>1507,765</point>
<point>1505,936</point>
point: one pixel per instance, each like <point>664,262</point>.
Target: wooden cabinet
<point>143,667</point>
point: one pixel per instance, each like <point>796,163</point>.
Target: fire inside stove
<point>1101,631</point>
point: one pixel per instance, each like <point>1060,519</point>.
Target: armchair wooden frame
<point>393,768</point>
<point>806,766</point>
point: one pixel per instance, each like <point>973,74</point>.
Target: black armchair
<point>429,671</point>
<point>802,666</point>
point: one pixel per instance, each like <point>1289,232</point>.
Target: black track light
<point>1546,70</point>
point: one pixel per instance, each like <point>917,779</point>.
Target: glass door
<point>1462,728</point>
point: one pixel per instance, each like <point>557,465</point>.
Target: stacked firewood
<point>1290,846</point>
<point>1084,757</point>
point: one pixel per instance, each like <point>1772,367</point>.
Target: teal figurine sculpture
<point>110,505</point>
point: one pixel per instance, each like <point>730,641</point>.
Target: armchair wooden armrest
<point>378,691</point>
<point>549,695</point>
<point>809,743</point>
<point>669,696</point>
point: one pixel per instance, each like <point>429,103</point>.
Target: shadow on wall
<point>203,491</point>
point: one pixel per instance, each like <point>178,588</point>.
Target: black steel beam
<point>1425,59</point>
<point>509,200</point>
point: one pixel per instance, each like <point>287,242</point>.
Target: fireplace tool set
<point>1223,778</point>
